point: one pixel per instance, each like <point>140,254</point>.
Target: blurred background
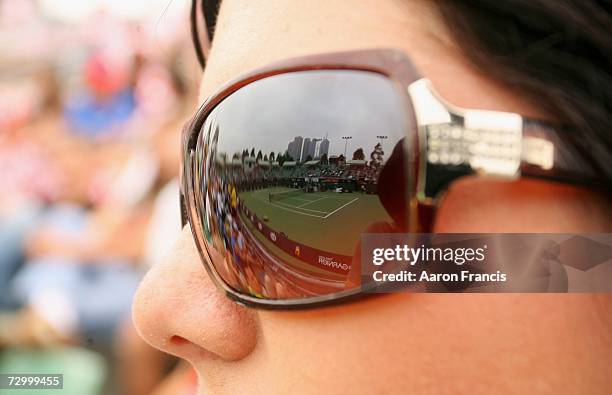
<point>93,94</point>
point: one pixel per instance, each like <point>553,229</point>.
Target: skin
<point>423,343</point>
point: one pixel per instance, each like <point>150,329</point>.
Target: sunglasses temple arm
<point>571,160</point>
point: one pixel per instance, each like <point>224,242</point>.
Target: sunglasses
<point>285,168</point>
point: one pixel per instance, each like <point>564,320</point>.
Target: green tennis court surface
<point>326,220</point>
<point>319,205</point>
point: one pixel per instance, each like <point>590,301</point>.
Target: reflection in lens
<point>290,173</point>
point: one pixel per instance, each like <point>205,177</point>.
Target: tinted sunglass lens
<point>291,170</point>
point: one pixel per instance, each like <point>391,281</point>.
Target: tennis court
<point>331,221</point>
<point>315,204</point>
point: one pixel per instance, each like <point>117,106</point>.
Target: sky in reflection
<point>269,113</point>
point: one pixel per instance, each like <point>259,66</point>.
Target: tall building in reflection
<point>323,148</point>
<point>305,149</point>
<point>301,148</point>
<point>294,149</point>
<point>310,148</point>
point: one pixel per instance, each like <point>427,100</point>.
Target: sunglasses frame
<point>543,154</point>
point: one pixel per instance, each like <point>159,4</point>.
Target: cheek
<point>340,348</point>
<point>523,206</point>
<point>376,343</point>
<point>422,340</point>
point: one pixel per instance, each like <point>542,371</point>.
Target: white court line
<point>341,207</point>
<point>311,201</point>
<point>293,211</point>
<point>330,195</point>
<point>264,192</point>
<point>297,198</point>
<point>289,207</point>
<point>303,204</point>
<point>307,209</point>
<point>338,198</point>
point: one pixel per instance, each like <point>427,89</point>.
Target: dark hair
<point>556,53</point>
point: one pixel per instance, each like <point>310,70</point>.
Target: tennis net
<point>275,196</point>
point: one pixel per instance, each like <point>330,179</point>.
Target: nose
<point>178,310</point>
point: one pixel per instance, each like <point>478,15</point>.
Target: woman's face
<point>409,343</point>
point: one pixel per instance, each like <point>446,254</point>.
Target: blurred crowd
<point>91,104</point>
